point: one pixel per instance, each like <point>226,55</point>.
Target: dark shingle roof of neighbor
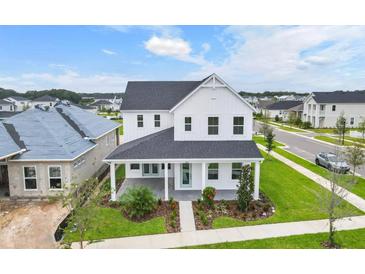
<point>283,105</point>
<point>45,98</point>
<point>7,114</point>
<point>156,95</point>
<point>19,98</point>
<point>161,145</point>
<point>339,97</point>
<point>3,102</point>
<point>101,102</point>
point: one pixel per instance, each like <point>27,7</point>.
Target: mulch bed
<point>163,209</point>
<point>260,209</point>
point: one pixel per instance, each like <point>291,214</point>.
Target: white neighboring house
<point>105,101</point>
<point>323,108</point>
<point>197,133</point>
<point>45,100</point>
<point>282,109</point>
<point>6,105</point>
<point>20,103</point>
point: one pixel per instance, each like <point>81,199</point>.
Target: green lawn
<point>260,140</point>
<point>323,130</point>
<point>334,140</point>
<point>287,128</point>
<point>109,223</point>
<point>354,139</point>
<point>296,197</point>
<point>346,239</point>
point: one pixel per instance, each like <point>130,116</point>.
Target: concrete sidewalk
<point>202,237</point>
<point>349,196</point>
<point>187,221</point>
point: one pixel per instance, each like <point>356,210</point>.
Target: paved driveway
<point>304,147</point>
<point>29,224</point>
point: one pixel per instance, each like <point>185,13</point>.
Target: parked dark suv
<point>332,162</point>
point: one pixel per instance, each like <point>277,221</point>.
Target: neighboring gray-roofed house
<point>56,146</point>
<point>282,109</point>
<point>45,100</point>
<point>323,108</point>
<point>20,103</point>
<point>197,133</point>
<point>6,106</point>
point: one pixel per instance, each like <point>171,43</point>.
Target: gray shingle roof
<point>339,97</point>
<point>3,102</point>
<point>7,114</point>
<point>19,98</point>
<point>7,144</point>
<point>156,95</point>
<point>161,145</point>
<point>283,105</point>
<point>101,102</point>
<point>56,133</point>
<point>45,98</point>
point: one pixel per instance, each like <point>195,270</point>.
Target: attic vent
<point>42,107</point>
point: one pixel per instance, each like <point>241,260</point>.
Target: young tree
<point>270,142</point>
<point>362,129</point>
<point>291,118</point>
<point>82,201</point>
<point>341,128</point>
<point>355,156</point>
<point>245,188</point>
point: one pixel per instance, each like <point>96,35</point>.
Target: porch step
<point>187,222</point>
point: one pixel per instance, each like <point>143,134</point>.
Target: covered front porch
<point>157,185</point>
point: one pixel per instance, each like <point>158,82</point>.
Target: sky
<point>249,58</point>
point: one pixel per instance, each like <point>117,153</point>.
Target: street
<point>304,147</point>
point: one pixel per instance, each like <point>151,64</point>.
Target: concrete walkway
<point>187,222</point>
<point>202,237</point>
<point>349,196</point>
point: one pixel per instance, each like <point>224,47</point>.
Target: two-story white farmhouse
<point>20,103</point>
<point>323,108</point>
<point>197,133</point>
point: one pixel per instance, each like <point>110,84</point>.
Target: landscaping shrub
<point>208,196</point>
<point>298,122</point>
<point>203,217</point>
<point>306,125</point>
<point>138,202</point>
<point>172,203</point>
<point>245,188</point>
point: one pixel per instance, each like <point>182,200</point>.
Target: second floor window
<point>333,107</point>
<point>187,123</point>
<point>157,120</point>
<point>238,123</point>
<point>213,124</point>
<point>139,120</point>
<point>314,107</point>
<point>322,107</point>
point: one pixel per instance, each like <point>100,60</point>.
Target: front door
<point>186,175</point>
<point>150,170</point>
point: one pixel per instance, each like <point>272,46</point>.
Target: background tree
<point>82,202</point>
<point>341,128</point>
<point>355,156</point>
<point>245,188</point>
<point>362,129</point>
<point>270,142</point>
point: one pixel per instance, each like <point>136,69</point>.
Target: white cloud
<point>68,79</point>
<point>108,52</point>
<point>300,58</point>
<point>174,47</point>
<point>205,47</point>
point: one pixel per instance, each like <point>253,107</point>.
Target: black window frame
<point>333,107</point>
<point>134,164</point>
<point>213,128</point>
<point>239,127</point>
<point>213,172</point>
<point>236,171</point>
<point>139,120</point>
<point>163,166</point>
<point>30,179</point>
<point>187,123</point>
<point>157,119</point>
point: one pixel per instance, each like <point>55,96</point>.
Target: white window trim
<point>212,169</point>
<point>243,126</point>
<point>235,169</point>
<point>49,178</point>
<point>219,120</point>
<point>130,166</point>
<point>191,123</point>
<point>154,120</point>
<point>139,121</point>
<point>36,178</point>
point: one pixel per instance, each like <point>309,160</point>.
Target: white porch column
<point>112,182</point>
<point>166,181</point>
<point>203,175</point>
<point>257,181</point>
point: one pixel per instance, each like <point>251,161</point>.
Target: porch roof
<point>161,145</point>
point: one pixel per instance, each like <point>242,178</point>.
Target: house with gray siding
<point>45,149</point>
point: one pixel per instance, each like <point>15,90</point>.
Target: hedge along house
<point>184,136</point>
<point>44,149</point>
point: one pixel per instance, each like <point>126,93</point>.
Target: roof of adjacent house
<point>282,105</point>
<point>156,95</point>
<point>19,98</point>
<point>60,133</point>
<point>264,103</point>
<point>339,97</point>
<point>7,114</point>
<point>101,102</point>
<point>4,102</point>
<point>45,98</point>
<point>161,145</point>
<point>8,145</point>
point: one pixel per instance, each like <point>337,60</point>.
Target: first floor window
<point>134,166</point>
<point>30,177</point>
<point>163,166</point>
<point>238,123</point>
<point>157,120</point>
<point>55,179</point>
<point>333,107</point>
<point>187,123</point>
<point>352,121</point>
<point>213,171</point>
<point>139,120</point>
<point>236,171</point>
<point>213,124</point>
